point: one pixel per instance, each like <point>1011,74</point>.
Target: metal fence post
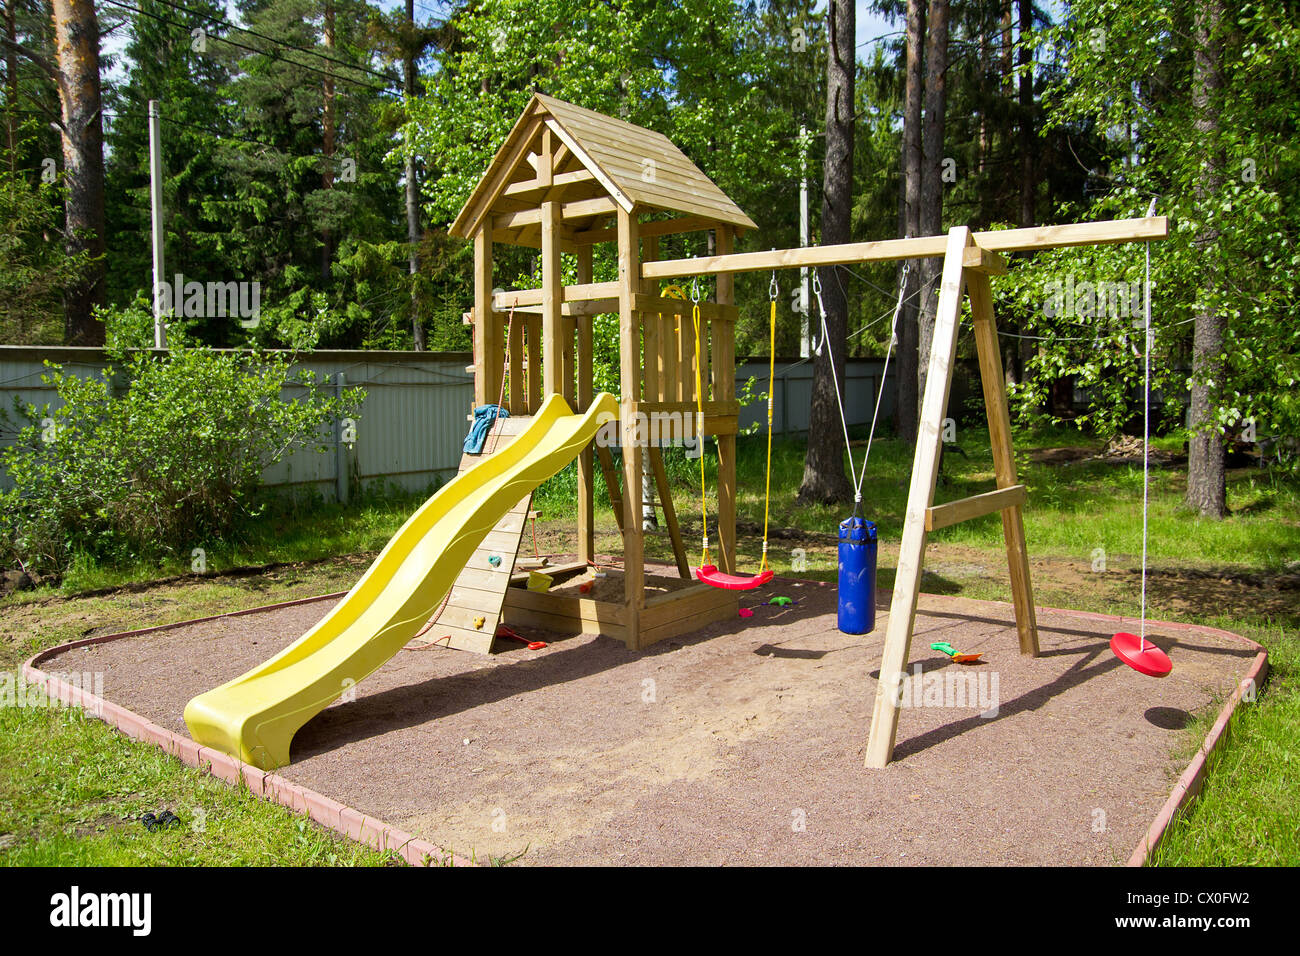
<point>340,449</point>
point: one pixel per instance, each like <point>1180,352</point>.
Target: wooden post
<point>534,362</point>
<point>1004,461</point>
<point>515,346</point>
<point>629,284</point>
<point>486,346</point>
<point>586,471</point>
<point>925,471</point>
<point>724,390</point>
<point>650,322</point>
<point>552,300</point>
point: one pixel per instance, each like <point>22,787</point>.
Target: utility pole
<point>156,214</point>
<point>804,240</point>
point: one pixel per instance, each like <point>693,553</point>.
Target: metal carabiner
<point>695,290</point>
<point>772,290</point>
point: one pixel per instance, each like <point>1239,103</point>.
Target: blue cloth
<point>484,417</point>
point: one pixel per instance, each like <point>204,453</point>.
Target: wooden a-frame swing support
<point>969,259</point>
<point>560,176</point>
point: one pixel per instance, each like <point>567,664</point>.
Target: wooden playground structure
<point>556,183</point>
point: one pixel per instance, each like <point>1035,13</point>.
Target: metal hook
<point>772,290</point>
<point>695,290</point>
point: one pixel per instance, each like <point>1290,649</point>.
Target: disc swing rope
<point>708,572</point>
<point>1134,649</point>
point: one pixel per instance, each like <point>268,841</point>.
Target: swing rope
<point>764,573</point>
<point>771,390</point>
<point>858,480</point>
<point>1146,436</point>
<point>699,427</point>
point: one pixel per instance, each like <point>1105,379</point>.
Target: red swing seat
<point>710,575</point>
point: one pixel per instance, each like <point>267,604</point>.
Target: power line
<point>231,26</point>
<point>253,50</point>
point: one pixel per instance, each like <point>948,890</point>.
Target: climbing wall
<point>469,617</point>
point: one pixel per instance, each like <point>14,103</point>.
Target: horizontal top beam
<point>922,247</point>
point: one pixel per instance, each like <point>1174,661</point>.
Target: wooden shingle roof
<point>604,158</point>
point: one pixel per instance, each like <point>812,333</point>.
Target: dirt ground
<point>740,745</point>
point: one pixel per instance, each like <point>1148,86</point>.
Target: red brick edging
<point>324,810</point>
<point>381,836</point>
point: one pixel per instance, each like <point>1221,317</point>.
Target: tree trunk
<point>413,194</point>
<point>1206,483</point>
<point>908,399</point>
<point>76,34</point>
<point>823,474</point>
<point>1028,168</point>
<point>931,218</point>
<point>328,127</point>
<point>11,84</point>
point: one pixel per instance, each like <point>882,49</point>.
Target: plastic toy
<point>956,655</point>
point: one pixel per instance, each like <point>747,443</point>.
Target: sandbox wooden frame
<point>561,175</point>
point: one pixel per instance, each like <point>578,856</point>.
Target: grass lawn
<point>72,791</point>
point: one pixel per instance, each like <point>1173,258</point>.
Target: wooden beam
<point>611,484</point>
<point>585,375</point>
<point>925,471</point>
<point>665,305</point>
<point>485,339</point>
<point>577,209</point>
<point>984,260</point>
<point>546,161</point>
<point>589,307</point>
<point>618,197</point>
<point>534,364</point>
<point>955,512</point>
<point>1004,461</point>
<point>921,247</point>
<point>559,179</point>
<point>629,321</point>
<point>515,346</point>
<point>569,293</point>
<point>656,227</point>
<point>552,296</point>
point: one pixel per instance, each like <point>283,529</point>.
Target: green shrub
<point>168,452</point>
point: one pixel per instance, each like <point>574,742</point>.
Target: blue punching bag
<point>857,576</point>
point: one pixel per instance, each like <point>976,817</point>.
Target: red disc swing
<point>708,572</point>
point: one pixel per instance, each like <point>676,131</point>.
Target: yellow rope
<point>699,435</point>
<point>771,387</point>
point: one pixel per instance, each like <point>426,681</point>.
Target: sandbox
<point>742,744</point>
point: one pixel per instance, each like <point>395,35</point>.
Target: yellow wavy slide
<point>255,716</point>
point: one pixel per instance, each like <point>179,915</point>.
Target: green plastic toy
<point>781,601</point>
<point>955,654</point>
